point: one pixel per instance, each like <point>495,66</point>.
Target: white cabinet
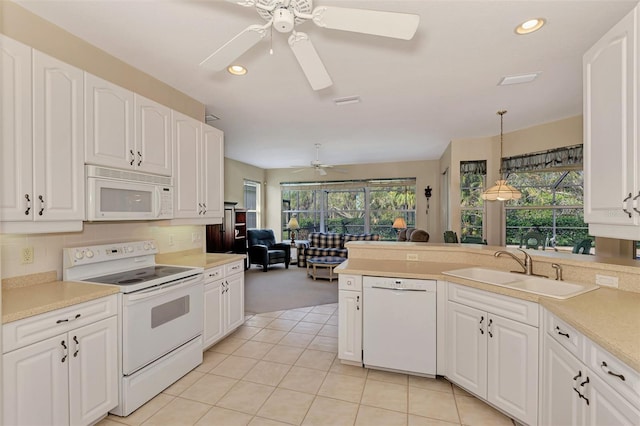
<point>492,349</point>
<point>42,153</point>
<point>198,170</point>
<point>611,145</point>
<point>223,301</point>
<point>350,318</point>
<point>574,393</point>
<point>69,374</point>
<point>154,144</point>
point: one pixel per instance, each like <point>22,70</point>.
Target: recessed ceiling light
<point>529,26</point>
<point>237,69</point>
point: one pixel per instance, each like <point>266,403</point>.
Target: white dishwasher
<point>399,324</point>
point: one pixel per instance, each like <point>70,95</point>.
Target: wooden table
<point>323,262</point>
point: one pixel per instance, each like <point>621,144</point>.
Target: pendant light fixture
<point>501,191</point>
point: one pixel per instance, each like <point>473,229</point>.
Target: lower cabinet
<point>68,379</point>
<point>350,318</point>
<point>223,301</point>
<point>491,356</point>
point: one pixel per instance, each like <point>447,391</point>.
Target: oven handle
<point>155,291</point>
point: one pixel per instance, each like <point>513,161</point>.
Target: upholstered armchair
<point>263,249</point>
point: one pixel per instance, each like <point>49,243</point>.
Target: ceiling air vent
<point>347,100</point>
<point>209,118</point>
<point>518,79</point>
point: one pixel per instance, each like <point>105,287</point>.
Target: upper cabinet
<point>125,130</point>
<point>42,145</point>
<point>611,146</point>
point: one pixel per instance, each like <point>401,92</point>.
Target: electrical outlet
<point>412,256</point>
<point>27,255</point>
<point>607,280</point>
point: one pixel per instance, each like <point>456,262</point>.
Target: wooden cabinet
<point>65,378</point>
<point>231,235</point>
<point>350,318</point>
<point>611,146</point>
<point>198,170</point>
<point>223,301</point>
<point>42,145</point>
<point>492,349</point>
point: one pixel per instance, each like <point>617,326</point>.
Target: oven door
<point>156,321</point>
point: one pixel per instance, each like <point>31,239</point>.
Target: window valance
<point>565,158</point>
<point>478,167</point>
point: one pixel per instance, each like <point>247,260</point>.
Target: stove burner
<point>131,281</point>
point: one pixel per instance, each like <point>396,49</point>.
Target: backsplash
<point>47,248</point>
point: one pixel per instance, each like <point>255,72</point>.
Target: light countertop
<point>198,259</point>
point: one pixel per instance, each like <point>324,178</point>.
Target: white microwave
<point>114,194</point>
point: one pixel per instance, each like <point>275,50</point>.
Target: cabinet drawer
<point>233,268</point>
<point>350,282</point>
<point>213,274</point>
<point>617,374</point>
<point>505,306</point>
<point>39,327</point>
<point>566,335</point>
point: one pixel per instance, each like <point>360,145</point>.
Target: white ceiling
<point>416,95</point>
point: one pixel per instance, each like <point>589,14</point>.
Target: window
<point>472,211</point>
<point>252,203</point>
<point>352,207</point>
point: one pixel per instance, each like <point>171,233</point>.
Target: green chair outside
<point>533,240</point>
<point>450,237</point>
<point>582,247</point>
<point>469,239</point>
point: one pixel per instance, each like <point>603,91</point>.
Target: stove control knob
<point>146,246</point>
<point>153,246</point>
<point>79,254</point>
<point>129,249</point>
<point>89,254</point>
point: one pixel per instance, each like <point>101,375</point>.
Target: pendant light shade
<point>501,191</point>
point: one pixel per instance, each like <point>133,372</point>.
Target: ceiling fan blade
<point>235,47</point>
<point>245,3</point>
<point>322,172</point>
<point>386,24</point>
<point>309,60</point>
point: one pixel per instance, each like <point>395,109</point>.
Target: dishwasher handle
<point>422,290</point>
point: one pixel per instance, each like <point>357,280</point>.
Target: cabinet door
<point>93,371</point>
<point>234,302</point>
<point>16,145</point>
<point>58,140</point>
<point>213,171</point>
<point>187,166</point>
<point>350,325</point>
<point>609,121</point>
<point>35,384</point>
<point>109,121</point>
<point>606,406</point>
<point>213,313</point>
<point>467,347</point>
<point>153,136</point>
<point>512,372</point>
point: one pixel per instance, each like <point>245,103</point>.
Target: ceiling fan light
<point>237,70</point>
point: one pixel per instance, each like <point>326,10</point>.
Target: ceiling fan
<point>318,166</point>
<point>284,15</point>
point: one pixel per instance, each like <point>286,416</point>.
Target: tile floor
<point>280,368</point>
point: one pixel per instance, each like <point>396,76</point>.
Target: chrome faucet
<point>527,264</point>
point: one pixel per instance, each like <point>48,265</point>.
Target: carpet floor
<point>280,289</point>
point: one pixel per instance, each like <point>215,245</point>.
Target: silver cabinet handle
<point>27,204</point>
<point>139,158</point>
<point>64,346</point>
<point>624,208</point>
<point>133,157</point>
<point>489,328</point>
<point>635,203</point>
<point>481,326</point>
<point>606,369</point>
<point>41,198</point>
<point>560,332</point>
<point>75,340</point>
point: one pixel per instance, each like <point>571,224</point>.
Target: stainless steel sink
<point>542,286</point>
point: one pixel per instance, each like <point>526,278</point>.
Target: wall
<point>22,25</point>
<point>235,173</point>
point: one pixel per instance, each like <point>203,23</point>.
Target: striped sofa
<point>329,244</point>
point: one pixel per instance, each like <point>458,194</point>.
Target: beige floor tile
<point>345,388</point>
<point>228,345</point>
<point>144,412</point>
<point>388,376</point>
<point>210,360</point>
<point>258,321</point>
<point>221,416</point>
<point>234,367</point>
<point>385,395</point>
<point>331,412</point>
<point>372,416</point>
<point>318,360</point>
<point>433,404</point>
<point>426,421</point>
<point>303,380</point>
<point>333,320</point>
<point>328,331</point>
<point>269,336</point>
<point>317,318</point>
<point>181,385</point>
<point>246,397</point>
<point>457,390</point>
<point>324,309</point>
<point>267,373</point>
<point>283,354</point>
<point>209,389</point>
<point>108,422</point>
<point>293,315</point>
<point>261,421</point>
<point>305,309</point>
<point>246,332</point>
<point>274,314</point>
<point>474,412</point>
<point>438,384</point>
<point>323,343</point>
<point>253,349</point>
<point>297,339</point>
<point>281,324</point>
<point>178,412</point>
<point>350,370</point>
<point>286,406</point>
<point>307,327</point>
